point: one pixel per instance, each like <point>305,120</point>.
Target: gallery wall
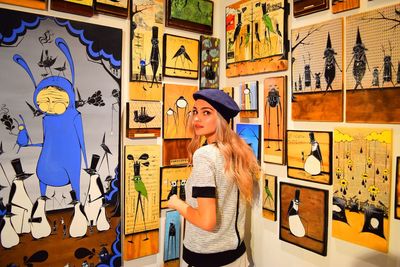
<point>266,247</point>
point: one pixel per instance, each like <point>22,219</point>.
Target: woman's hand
<point>175,203</point>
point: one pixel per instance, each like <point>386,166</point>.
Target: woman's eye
<point>194,112</point>
<point>206,112</point>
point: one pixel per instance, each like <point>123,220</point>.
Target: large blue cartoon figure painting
<point>59,162</point>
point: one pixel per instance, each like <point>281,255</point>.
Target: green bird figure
<point>268,193</point>
<point>139,186</point>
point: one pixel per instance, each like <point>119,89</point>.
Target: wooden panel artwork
<point>373,66</point>
<point>344,5</point>
<point>209,62</point>
<point>362,184</point>
<point>256,37</point>
<point>269,193</point>
<point>317,65</point>
<point>142,198</point>
<point>309,156</point>
<point>147,29</point>
<point>37,4</point>
<point>251,134</point>
<point>275,120</point>
<point>172,238</point>
<point>304,217</point>
<point>178,104</point>
<point>144,119</point>
<point>112,7</point>
<point>84,7</point>
<point>175,152</point>
<point>173,180</point>
<point>248,99</point>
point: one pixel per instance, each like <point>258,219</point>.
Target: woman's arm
<point>204,216</point>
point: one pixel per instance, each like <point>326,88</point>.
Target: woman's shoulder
<point>206,151</point>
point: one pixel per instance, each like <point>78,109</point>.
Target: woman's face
<point>205,120</point>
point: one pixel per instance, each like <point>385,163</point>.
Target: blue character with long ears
<point>59,162</point>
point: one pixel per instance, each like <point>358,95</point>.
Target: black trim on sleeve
<point>204,191</point>
<point>213,259</point>
<point>237,216</point>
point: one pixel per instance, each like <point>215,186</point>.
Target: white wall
<point>267,249</point>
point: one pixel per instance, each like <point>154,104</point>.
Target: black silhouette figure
<point>238,27</point>
<point>106,152</point>
<point>142,117</point>
<point>181,53</point>
<point>330,63</point>
<point>80,102</point>
<point>373,221</point>
<point>174,189</point>
<point>155,55</point>
<point>274,101</point>
<point>172,244</point>
<point>182,191</point>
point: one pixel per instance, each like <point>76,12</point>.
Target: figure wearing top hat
<point>95,192</point>
<point>8,235</point>
<point>21,204</point>
<point>155,54</point>
<point>79,223</point>
<point>313,162</point>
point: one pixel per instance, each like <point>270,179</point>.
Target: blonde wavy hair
<point>241,165</point>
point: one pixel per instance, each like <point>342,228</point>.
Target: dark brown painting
<point>84,7</point>
<point>175,152</point>
<point>117,8</point>
<point>304,217</point>
<point>306,7</point>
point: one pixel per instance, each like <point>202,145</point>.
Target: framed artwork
<point>181,57</point>
<point>178,104</point>
<point>74,129</point>
<point>175,152</point>
<point>115,8</point>
<point>209,62</point>
<point>142,200</point>
<point>142,91</point>
<point>306,7</point>
<point>304,217</point>
<point>251,134</point>
<point>269,193</point>
<point>344,5</point>
<point>397,196</point>
<point>309,156</point>
<point>190,15</point>
<point>172,238</point>
<point>275,120</point>
<point>248,99</point>
<point>78,7</point>
<point>36,4</point>
<point>173,180</point>
<point>317,72</point>
<point>144,119</point>
<point>362,184</point>
<point>256,37</point>
<point>147,28</point>
<point>372,77</point>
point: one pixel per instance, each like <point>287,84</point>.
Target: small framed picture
<point>306,7</point>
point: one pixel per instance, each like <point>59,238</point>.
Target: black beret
<point>219,100</point>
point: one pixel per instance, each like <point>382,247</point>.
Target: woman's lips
<point>198,126</point>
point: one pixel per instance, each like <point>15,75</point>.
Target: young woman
<point>223,179</point>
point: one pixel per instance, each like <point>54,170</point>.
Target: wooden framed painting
<point>248,99</point>
<point>230,91</point>
<point>144,119</point>
<point>269,194</point>
<point>112,7</point>
<point>304,217</point>
<point>172,238</point>
<point>142,200</point>
<point>362,186</point>
<point>190,15</point>
<point>317,72</point>
<point>147,28</point>
<point>344,5</point>
<point>306,7</point>
<point>275,120</point>
<point>397,196</point>
<point>144,91</point>
<point>78,7</point>
<point>173,180</point>
<point>251,134</point>
<point>36,4</point>
<point>209,62</point>
<point>178,104</point>
<point>181,57</point>
<point>309,156</point>
<point>256,37</point>
<point>175,152</point>
<point>372,77</point>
